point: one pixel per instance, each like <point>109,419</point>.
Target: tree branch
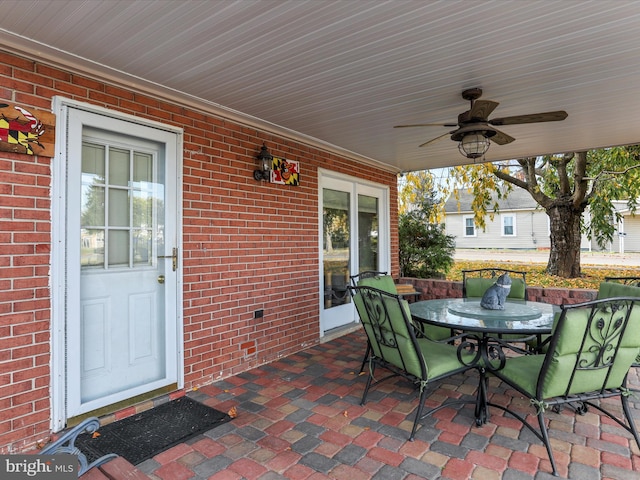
<point>610,173</point>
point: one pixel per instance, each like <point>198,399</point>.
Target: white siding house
<point>520,223</point>
<point>627,236</point>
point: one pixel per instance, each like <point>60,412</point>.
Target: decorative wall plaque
<point>26,130</point>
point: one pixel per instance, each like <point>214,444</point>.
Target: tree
<point>564,186</point>
<point>424,248</point>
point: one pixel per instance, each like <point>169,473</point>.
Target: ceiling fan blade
<point>556,116</point>
<point>481,109</point>
<point>502,138</point>
<point>434,140</point>
<point>427,125</point>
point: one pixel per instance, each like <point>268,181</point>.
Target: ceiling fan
<point>475,129</point>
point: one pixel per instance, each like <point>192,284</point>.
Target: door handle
<point>173,257</point>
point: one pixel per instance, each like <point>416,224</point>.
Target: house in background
<point>626,237</point>
<point>520,223</point>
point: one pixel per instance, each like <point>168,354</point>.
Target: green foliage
<point>425,250</point>
<point>616,176</point>
<point>418,191</point>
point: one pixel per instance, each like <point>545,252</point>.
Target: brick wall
<point>247,245</point>
<point>432,289</point>
<point>24,296</point>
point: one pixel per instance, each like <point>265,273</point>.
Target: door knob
<point>160,278</point>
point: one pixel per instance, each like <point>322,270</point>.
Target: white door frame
<point>355,186</point>
<point>59,242</point>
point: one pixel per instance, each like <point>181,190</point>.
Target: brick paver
<point>300,418</point>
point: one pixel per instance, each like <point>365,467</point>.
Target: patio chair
<point>66,445</point>
<point>394,346</point>
<point>476,282</point>
<point>619,287</point>
<point>592,347</point>
<point>378,280</point>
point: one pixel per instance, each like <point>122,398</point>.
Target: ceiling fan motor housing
<point>487,130</point>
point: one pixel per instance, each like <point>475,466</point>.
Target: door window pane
<point>118,166</point>
<point>142,167</point>
<point>367,233</point>
<point>336,247</point>
<point>91,247</point>
<point>118,248</point>
<point>93,159</point>
<point>118,216</point>
<point>92,210</point>
<point>118,208</point>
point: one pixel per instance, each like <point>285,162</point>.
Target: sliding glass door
<point>354,238</point>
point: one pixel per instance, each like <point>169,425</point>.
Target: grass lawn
<point>591,275</point>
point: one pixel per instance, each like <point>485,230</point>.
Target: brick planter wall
<point>432,288</point>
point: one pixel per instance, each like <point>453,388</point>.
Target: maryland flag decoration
<point>286,172</point>
<point>26,130</point>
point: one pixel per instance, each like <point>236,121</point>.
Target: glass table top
<point>519,316</point>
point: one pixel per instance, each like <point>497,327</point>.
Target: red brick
<point>385,456</point>
<point>173,471</point>
<point>616,460</point>
<point>524,462</point>
<point>457,469</point>
<point>488,461</point>
<point>248,468</point>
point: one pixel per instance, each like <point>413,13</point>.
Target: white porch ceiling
<point>345,72</point>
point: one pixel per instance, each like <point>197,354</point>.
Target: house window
<point>469,226</point>
<point>508,225</point>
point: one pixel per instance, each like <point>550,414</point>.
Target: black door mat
<point>153,431</point>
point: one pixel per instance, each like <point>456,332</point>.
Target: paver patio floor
<point>300,418</point>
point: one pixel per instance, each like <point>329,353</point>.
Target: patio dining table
<point>489,334</point>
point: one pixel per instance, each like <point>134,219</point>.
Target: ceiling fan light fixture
<point>474,144</point>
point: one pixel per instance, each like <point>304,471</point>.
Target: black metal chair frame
<point>633,281</point>
<point>354,282</point>
<point>606,335</point>
<point>382,332</point>
<point>66,444</point>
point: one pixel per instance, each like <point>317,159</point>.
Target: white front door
<point>122,260</point>
<point>354,238</point>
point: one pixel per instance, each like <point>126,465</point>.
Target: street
<point>542,256</point>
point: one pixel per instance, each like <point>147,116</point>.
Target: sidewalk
<point>631,259</point>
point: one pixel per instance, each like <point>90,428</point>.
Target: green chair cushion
<point>475,287</point>
<point>433,332</point>
<point>525,370</point>
<point>391,340</point>
<point>441,358</point>
<point>613,289</point>
<point>381,282</point>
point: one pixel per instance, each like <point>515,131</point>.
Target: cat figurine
<point>496,295</point>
